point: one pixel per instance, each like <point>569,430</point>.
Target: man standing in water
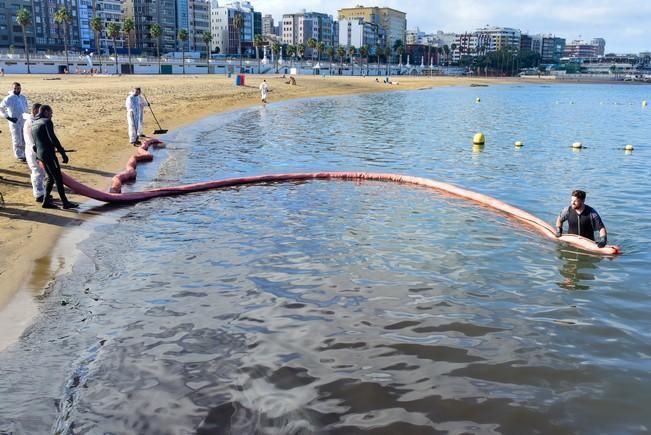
<point>12,108</point>
<point>582,220</point>
<point>264,91</point>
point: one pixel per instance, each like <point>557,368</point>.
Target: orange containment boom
<point>114,196</point>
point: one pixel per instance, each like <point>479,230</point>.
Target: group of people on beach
<point>35,143</point>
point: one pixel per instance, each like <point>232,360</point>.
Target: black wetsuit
<point>584,224</point>
<point>45,145</point>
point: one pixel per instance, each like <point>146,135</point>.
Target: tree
<point>24,18</point>
<point>363,54</point>
<point>300,51</point>
<point>238,25</point>
<point>388,53</point>
<point>155,31</point>
<point>446,50</point>
<point>96,25</point>
<point>183,37</point>
<point>341,52</point>
<point>275,49</point>
<point>291,53</point>
<point>330,51</point>
<point>378,53</point>
<point>400,51</point>
<point>127,27</point>
<point>320,48</point>
<point>312,43</point>
<point>351,52</point>
<point>206,37</point>
<point>258,41</point>
<point>113,31</point>
<point>63,17</point>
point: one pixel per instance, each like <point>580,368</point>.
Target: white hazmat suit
<point>264,91</point>
<point>143,104</point>
<point>38,174</point>
<point>134,109</point>
<point>13,106</point>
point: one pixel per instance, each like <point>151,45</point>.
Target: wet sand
<point>89,117</point>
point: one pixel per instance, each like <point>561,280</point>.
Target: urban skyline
<point>623,23</point>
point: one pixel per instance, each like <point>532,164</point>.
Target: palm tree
<point>320,48</point>
<point>446,50</point>
<point>330,51</point>
<point>400,51</point>
<point>96,25</point>
<point>63,17</point>
<point>275,49</point>
<point>258,41</point>
<point>378,53</point>
<point>206,37</point>
<point>155,31</point>
<point>127,27</point>
<point>388,54</point>
<point>183,37</point>
<point>24,18</point>
<point>312,43</point>
<point>351,52</point>
<point>341,52</point>
<point>113,31</point>
<point>238,25</point>
<point>363,53</point>
<point>291,53</point>
<point>300,51</point>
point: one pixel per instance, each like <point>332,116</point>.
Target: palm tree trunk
<point>183,55</point>
<point>115,52</point>
<point>26,49</point>
<point>129,51</point>
<point>158,55</point>
<point>99,56</point>
<point>65,45</point>
<point>257,57</point>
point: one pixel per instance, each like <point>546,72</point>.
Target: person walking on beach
<point>264,91</point>
<point>12,108</point>
<point>46,144</point>
<point>37,173</point>
<point>143,103</point>
<point>134,110</point>
<point>582,220</point>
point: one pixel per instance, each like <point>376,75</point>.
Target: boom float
<point>129,174</point>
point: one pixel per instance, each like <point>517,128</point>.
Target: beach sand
<point>90,117</point>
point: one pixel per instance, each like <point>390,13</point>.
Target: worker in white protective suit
<point>134,109</point>
<point>38,174</point>
<point>143,104</point>
<point>264,91</point>
<point>12,108</point>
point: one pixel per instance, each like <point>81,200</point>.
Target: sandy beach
<point>89,117</point>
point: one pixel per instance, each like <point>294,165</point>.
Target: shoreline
<point>32,235</point>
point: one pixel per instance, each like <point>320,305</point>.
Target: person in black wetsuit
<point>582,220</point>
<point>46,144</point>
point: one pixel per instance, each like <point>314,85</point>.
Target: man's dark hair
<point>36,106</point>
<point>15,84</point>
<point>44,108</point>
<point>579,194</point>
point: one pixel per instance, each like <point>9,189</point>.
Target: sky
<point>624,24</point>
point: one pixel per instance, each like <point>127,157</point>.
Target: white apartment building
<point>357,33</point>
<point>300,27</point>
<point>224,34</point>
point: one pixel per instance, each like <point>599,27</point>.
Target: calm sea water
<point>361,308</point>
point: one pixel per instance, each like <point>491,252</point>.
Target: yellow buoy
<point>477,100</point>
<point>628,147</point>
<point>577,145</point>
<point>519,144</point>
<point>479,139</point>
<point>644,103</point>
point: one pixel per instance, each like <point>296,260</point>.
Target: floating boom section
<point>129,174</point>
